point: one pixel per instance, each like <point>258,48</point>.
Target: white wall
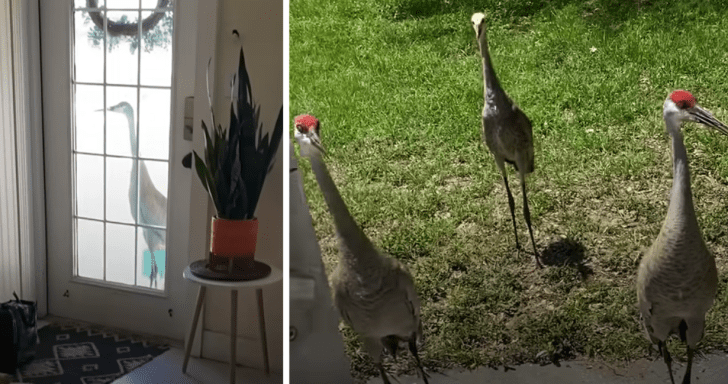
<point>260,25</point>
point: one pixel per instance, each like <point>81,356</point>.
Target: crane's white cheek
<point>305,142</point>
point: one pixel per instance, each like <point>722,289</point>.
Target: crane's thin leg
<point>413,349</point>
<point>512,205</point>
<point>666,355</point>
<point>686,378</point>
<point>527,215</point>
<point>374,346</point>
<point>383,373</point>
<point>391,343</point>
<point>152,270</point>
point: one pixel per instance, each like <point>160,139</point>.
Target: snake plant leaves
<point>236,166</point>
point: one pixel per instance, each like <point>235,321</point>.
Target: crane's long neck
<point>681,210</point>
<point>359,250</point>
<point>134,182</point>
<point>492,89</point>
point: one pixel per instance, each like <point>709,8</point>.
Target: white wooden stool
<point>274,276</point>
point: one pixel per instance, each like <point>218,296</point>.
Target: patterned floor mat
<point>79,354</point>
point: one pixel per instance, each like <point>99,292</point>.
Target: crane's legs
<point>373,346</point>
<point>413,349</point>
<point>527,215</point>
<point>152,270</point>
<point>391,343</point>
<point>512,205</point>
<point>666,355</point>
<point>686,378</point>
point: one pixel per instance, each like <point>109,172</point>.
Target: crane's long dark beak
<point>704,117</point>
<point>316,141</point>
<point>312,137</point>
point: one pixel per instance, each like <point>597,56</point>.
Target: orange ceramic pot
<point>232,243</point>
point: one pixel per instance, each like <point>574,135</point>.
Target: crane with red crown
<point>677,278</point>
<point>374,293</point>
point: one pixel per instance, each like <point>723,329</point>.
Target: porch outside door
<point>117,194</point>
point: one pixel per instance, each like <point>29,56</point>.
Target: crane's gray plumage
<point>677,278</point>
<point>153,209</point>
<point>507,131</point>
<point>375,294</point>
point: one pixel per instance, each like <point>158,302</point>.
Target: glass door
<point>108,152</point>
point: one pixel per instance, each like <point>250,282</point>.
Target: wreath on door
<point>116,28</point>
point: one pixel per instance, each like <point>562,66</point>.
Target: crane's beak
<point>700,115</point>
<point>309,138</point>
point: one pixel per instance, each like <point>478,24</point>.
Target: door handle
<point>187,160</point>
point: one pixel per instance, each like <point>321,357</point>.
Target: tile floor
<point>167,368</point>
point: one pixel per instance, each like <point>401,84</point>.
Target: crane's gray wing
<point>153,203</point>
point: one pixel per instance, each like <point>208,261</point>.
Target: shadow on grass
<point>566,252</point>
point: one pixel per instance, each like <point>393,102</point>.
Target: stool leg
<point>193,328</point>
<point>261,321</point>
<point>233,331</point>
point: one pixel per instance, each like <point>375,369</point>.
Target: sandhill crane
<point>153,208</point>
<point>677,278</point>
<point>374,293</point>
<point>506,131</point>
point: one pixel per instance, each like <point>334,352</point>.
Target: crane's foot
<point>413,350</point>
<point>668,359</point>
<point>538,261</point>
<point>686,378</point>
<point>385,379</point>
<point>539,266</point>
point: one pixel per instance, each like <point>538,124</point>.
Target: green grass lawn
<point>397,85</point>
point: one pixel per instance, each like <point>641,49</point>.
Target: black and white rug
<point>79,354</point>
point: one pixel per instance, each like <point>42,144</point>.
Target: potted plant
<point>233,172</point>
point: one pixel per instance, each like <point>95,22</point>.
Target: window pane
<point>125,4</point>
<point>154,123</point>
<point>89,119</point>
<point>147,4</point>
<point>90,243</point>
<point>156,66</point>
<point>84,3</point>
<point>88,56</point>
<point>151,270</point>
<point>119,184</point>
<point>121,129</point>
<point>122,63</point>
<point>120,253</point>
<point>90,186</point>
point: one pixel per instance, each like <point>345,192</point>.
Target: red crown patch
<point>683,99</point>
